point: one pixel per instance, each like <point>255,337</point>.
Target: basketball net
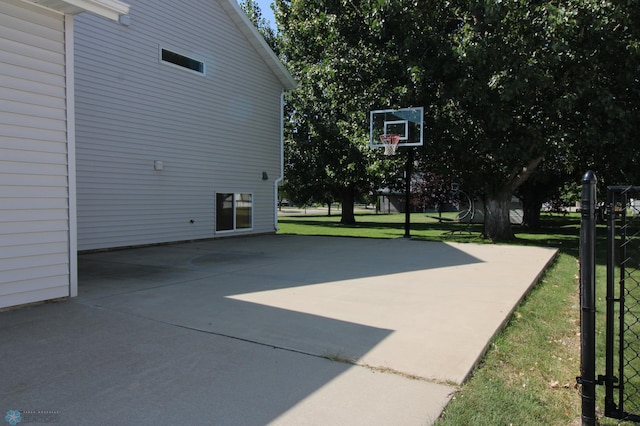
<point>390,143</point>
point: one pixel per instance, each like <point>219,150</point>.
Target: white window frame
<point>235,214</point>
<point>178,52</point>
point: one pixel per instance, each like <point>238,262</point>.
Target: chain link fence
<point>622,378</point>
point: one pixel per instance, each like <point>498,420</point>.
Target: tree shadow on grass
<point>557,231</point>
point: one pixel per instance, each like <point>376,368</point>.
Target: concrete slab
<point>91,366</point>
<point>238,331</point>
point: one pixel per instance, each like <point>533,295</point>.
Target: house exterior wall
<point>213,132</point>
<point>34,174</point>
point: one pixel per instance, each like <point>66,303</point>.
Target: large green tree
<point>506,105</point>
<point>545,89</point>
<point>350,57</point>
<point>605,118</point>
<point>599,66</point>
<point>326,153</point>
<point>481,68</point>
<point>511,90</point>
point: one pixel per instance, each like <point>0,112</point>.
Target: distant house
<point>164,126</point>
<point>394,202</point>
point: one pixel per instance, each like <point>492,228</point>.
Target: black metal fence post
<point>610,407</point>
<point>407,193</point>
<point>587,299</point>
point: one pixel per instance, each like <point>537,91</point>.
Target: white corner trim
<point>71,156</point>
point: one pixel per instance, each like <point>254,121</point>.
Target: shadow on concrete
<point>98,367</point>
<point>288,260</point>
<point>162,335</point>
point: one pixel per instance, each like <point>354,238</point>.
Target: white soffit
<point>111,9</point>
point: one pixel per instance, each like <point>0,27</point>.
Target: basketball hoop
<point>390,143</point>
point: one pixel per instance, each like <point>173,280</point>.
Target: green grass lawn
<point>528,375</point>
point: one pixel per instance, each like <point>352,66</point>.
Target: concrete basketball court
<point>272,329</point>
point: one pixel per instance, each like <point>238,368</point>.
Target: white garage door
<point>34,189</point>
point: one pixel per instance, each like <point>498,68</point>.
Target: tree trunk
<point>531,207</point>
<point>497,224</point>
<point>348,204</point>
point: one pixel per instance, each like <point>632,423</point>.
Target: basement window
<point>182,61</point>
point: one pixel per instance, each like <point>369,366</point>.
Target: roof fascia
<point>110,9</point>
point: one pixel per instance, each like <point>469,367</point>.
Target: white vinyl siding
<point>34,191</point>
<point>217,131</point>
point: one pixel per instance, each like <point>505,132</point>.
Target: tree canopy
<point>326,149</point>
<point>253,11</point>
<point>514,92</point>
<point>349,58</point>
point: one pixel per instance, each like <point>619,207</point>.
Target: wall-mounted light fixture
<point>158,165</point>
<point>265,176</point>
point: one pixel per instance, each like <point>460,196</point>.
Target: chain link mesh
<point>630,310</point>
<point>623,303</point>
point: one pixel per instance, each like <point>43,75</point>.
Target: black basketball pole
<point>408,171</point>
<point>587,299</point>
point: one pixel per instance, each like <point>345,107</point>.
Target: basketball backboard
<point>406,122</point>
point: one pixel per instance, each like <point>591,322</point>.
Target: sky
<point>267,13</point>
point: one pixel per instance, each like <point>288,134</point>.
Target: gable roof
<point>242,21</point>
